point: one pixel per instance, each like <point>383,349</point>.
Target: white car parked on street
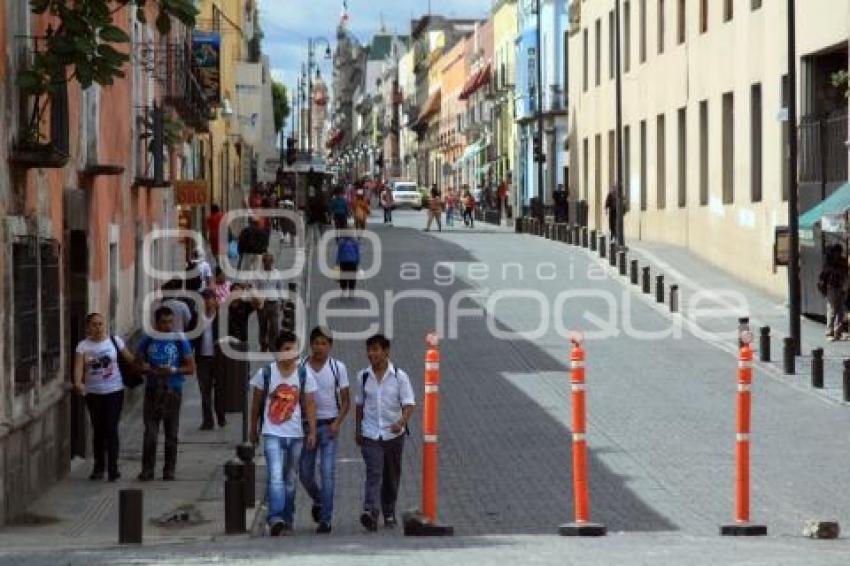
<point>406,194</point>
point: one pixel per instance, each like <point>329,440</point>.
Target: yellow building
<point>228,159</point>
<point>504,18</point>
<point>705,138</point>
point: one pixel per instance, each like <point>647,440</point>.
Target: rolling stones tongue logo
<point>283,401</point>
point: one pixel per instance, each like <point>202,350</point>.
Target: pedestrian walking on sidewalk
<point>176,302</point>
<point>348,261</point>
<point>469,210</point>
<point>613,210</point>
<point>220,286</point>
<point>269,290</point>
<point>165,361</point>
<point>339,209</point>
<point>832,283</point>
<point>213,224</point>
<point>361,211</point>
<point>211,363</point>
<point>384,405</point>
<point>98,377</point>
<point>451,205</point>
<point>253,243</point>
<point>204,276</point>
<point>387,204</point>
<point>435,209</point>
<point>242,305</point>
<point>284,392</point>
<point>332,404</point>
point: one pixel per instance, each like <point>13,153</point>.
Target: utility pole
<point>621,185</point>
<point>793,189</point>
<point>539,156</point>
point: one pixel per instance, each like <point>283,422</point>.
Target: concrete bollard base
<point>418,525</point>
<point>743,530</point>
<point>821,529</point>
<point>582,530</point>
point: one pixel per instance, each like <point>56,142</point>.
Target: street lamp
<point>621,189</point>
<point>793,189</point>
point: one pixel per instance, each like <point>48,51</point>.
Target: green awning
<point>836,203</point>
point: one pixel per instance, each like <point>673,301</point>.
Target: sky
<point>287,25</point>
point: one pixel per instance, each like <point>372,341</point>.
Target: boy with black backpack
<point>332,403</point>
<point>384,405</point>
<point>283,393</point>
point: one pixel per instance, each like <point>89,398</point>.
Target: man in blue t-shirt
<point>165,361</point>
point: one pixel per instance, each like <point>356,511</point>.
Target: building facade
<point>552,51</point>
<point>83,183</point>
<point>706,152</point>
<point>504,70</point>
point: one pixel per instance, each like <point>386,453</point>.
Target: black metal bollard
<point>130,513</point>
<point>817,368</point>
<point>602,248</point>
<point>612,254</point>
<point>634,272</point>
<point>593,240</point>
<point>846,382</point>
<point>621,260</point>
<point>659,288</point>
<point>568,234</point>
<point>234,497</point>
<point>674,298</point>
<point>245,453</point>
<point>646,283</point>
<point>576,235</point>
<point>788,355</point>
<point>584,237</point>
<point>764,344</point>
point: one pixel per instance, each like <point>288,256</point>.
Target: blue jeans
<point>326,449</point>
<point>281,457</point>
<point>450,216</point>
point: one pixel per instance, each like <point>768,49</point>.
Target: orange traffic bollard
<point>429,433</point>
<point>581,526</point>
<point>742,525</point>
<point>425,523</point>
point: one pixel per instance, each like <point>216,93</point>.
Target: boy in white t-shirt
<point>332,404</point>
<point>283,392</point>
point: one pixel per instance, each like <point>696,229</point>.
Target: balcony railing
<point>183,90</point>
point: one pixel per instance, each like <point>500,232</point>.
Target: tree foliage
<point>280,103</point>
<point>84,40</point>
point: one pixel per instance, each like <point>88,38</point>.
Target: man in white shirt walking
<point>283,392</point>
<point>385,403</point>
<point>269,287</point>
<point>332,403</point>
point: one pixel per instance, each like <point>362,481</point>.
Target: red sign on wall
<point>193,192</point>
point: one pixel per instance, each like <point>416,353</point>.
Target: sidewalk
<point>79,513</point>
<point>694,275</point>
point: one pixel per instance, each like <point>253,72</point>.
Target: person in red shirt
<point>213,224</point>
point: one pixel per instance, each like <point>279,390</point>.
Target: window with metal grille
<point>51,322</point>
<point>25,312</point>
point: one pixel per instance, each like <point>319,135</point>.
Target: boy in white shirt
<point>384,405</point>
<point>283,392</point>
<point>332,403</point>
